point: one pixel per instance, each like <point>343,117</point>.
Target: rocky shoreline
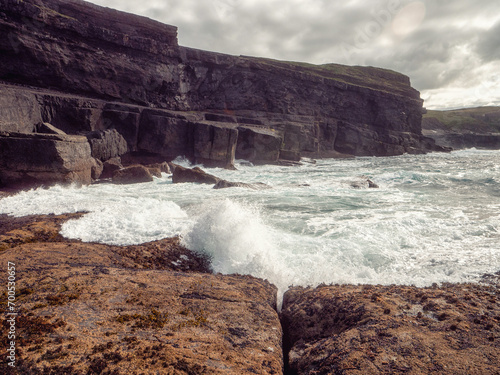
<point>87,308</point>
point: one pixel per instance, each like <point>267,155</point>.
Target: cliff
<point>464,128</point>
<point>84,68</point>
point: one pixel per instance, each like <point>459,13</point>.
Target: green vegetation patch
<point>481,119</point>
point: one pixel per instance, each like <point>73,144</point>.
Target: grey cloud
<point>489,44</point>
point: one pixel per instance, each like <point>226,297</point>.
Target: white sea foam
<point>434,218</point>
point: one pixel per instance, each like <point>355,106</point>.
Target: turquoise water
<point>434,218</point>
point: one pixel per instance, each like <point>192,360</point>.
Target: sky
<point>450,49</point>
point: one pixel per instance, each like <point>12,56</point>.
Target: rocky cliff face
<point>103,69</point>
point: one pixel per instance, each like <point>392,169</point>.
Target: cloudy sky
<point>450,49</point>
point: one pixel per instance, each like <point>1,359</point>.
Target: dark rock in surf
<point>196,174</point>
<point>164,167</point>
<point>155,171</point>
<point>363,182</point>
<point>223,184</point>
<point>132,175</point>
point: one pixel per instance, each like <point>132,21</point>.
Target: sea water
<point>434,218</point>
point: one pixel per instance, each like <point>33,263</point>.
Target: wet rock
<point>132,175</point>
<point>196,174</point>
<point>223,184</point>
<point>44,159</point>
<point>363,183</point>
<point>164,167</point>
<point>110,167</point>
<point>155,171</point>
<point>392,329</point>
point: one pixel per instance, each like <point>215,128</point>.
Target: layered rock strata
<point>39,159</point>
<point>102,69</point>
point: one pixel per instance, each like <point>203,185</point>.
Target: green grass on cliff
<point>481,119</point>
<point>363,76</point>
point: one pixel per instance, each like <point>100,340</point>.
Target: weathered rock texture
<point>107,144</point>
<point>196,174</point>
<point>90,68</point>
<point>132,175</point>
<point>454,329</point>
<point>146,309</point>
<point>27,159</point>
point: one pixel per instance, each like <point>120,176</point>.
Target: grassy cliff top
<point>481,119</point>
<point>363,76</point>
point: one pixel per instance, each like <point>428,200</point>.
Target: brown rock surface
<point>92,309</point>
<point>223,184</point>
<point>132,175</point>
<point>196,174</point>
<point>109,167</point>
<point>453,329</point>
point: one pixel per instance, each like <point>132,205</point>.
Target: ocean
<point>433,218</point>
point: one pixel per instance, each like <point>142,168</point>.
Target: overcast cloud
<point>450,49</point>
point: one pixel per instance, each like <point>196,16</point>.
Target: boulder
<point>363,182</point>
<point>164,167</point>
<point>196,175</point>
<point>44,159</point>
<point>155,171</point>
<point>223,184</point>
<point>107,144</point>
<point>132,175</point>
<point>349,329</point>
<point>110,167</point>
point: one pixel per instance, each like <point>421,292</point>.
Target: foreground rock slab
<point>453,329</point>
<point>98,309</point>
